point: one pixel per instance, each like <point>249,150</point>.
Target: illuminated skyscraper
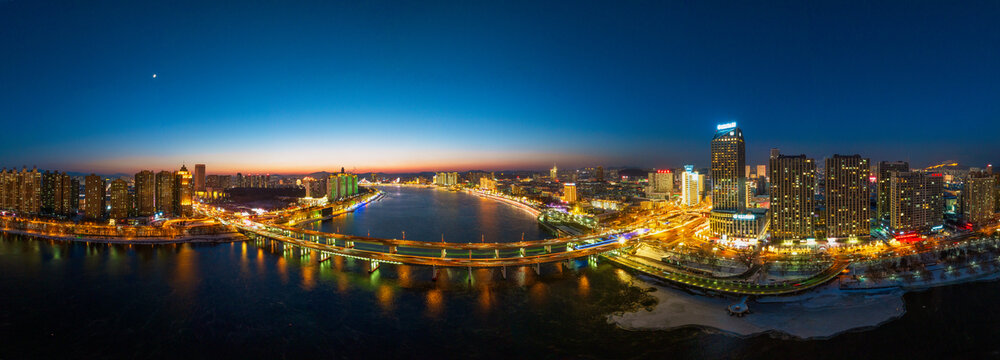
<point>691,188</point>
<point>165,192</point>
<point>94,197</point>
<point>728,166</point>
<point>793,186</point>
<point>848,213</point>
<point>121,204</point>
<point>569,192</point>
<point>182,191</point>
<point>883,179</point>
<point>554,172</point>
<point>145,193</point>
<point>729,198</point>
<point>916,201</point>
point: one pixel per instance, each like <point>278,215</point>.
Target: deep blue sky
<point>301,86</point>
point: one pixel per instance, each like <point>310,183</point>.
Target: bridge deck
<point>449,261</point>
<point>441,245</point>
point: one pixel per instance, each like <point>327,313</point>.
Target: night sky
<point>296,86</point>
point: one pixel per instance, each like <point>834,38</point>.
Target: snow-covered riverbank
<point>822,313</point>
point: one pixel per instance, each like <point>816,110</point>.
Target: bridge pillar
<point>349,244</point>
<point>503,272</point>
<point>434,269</point>
<point>393,249</point>
<point>537,268</point>
<point>496,254</point>
<point>373,265</point>
<point>569,247</point>
<point>521,250</point>
<point>444,252</point>
<point>548,249</point>
<point>470,274</point>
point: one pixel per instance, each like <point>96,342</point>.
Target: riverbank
<point>819,314</point>
<point>234,236</point>
<point>527,208</point>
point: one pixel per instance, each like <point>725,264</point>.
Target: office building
<point>661,184</point>
<point>569,193</point>
<point>691,186</point>
<point>729,216</point>
<point>728,168</point>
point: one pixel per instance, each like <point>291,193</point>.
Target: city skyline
<point>517,88</point>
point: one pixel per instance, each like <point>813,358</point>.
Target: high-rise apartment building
<point>916,201</point>
<point>978,200</point>
<point>199,178</point>
<point>165,192</point>
<point>94,197</point>
<point>848,214</point>
<point>145,193</point>
<point>71,196</point>
<point>121,203</point>
<point>50,182</point>
<point>554,172</point>
<point>883,179</point>
<point>446,178</point>
<point>28,193</point>
<point>793,186</point>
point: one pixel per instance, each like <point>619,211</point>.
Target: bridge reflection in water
<point>308,268</point>
<point>376,251</point>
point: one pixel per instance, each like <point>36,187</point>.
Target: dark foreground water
<point>253,300</point>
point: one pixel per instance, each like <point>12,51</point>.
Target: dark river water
<point>253,300</point>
